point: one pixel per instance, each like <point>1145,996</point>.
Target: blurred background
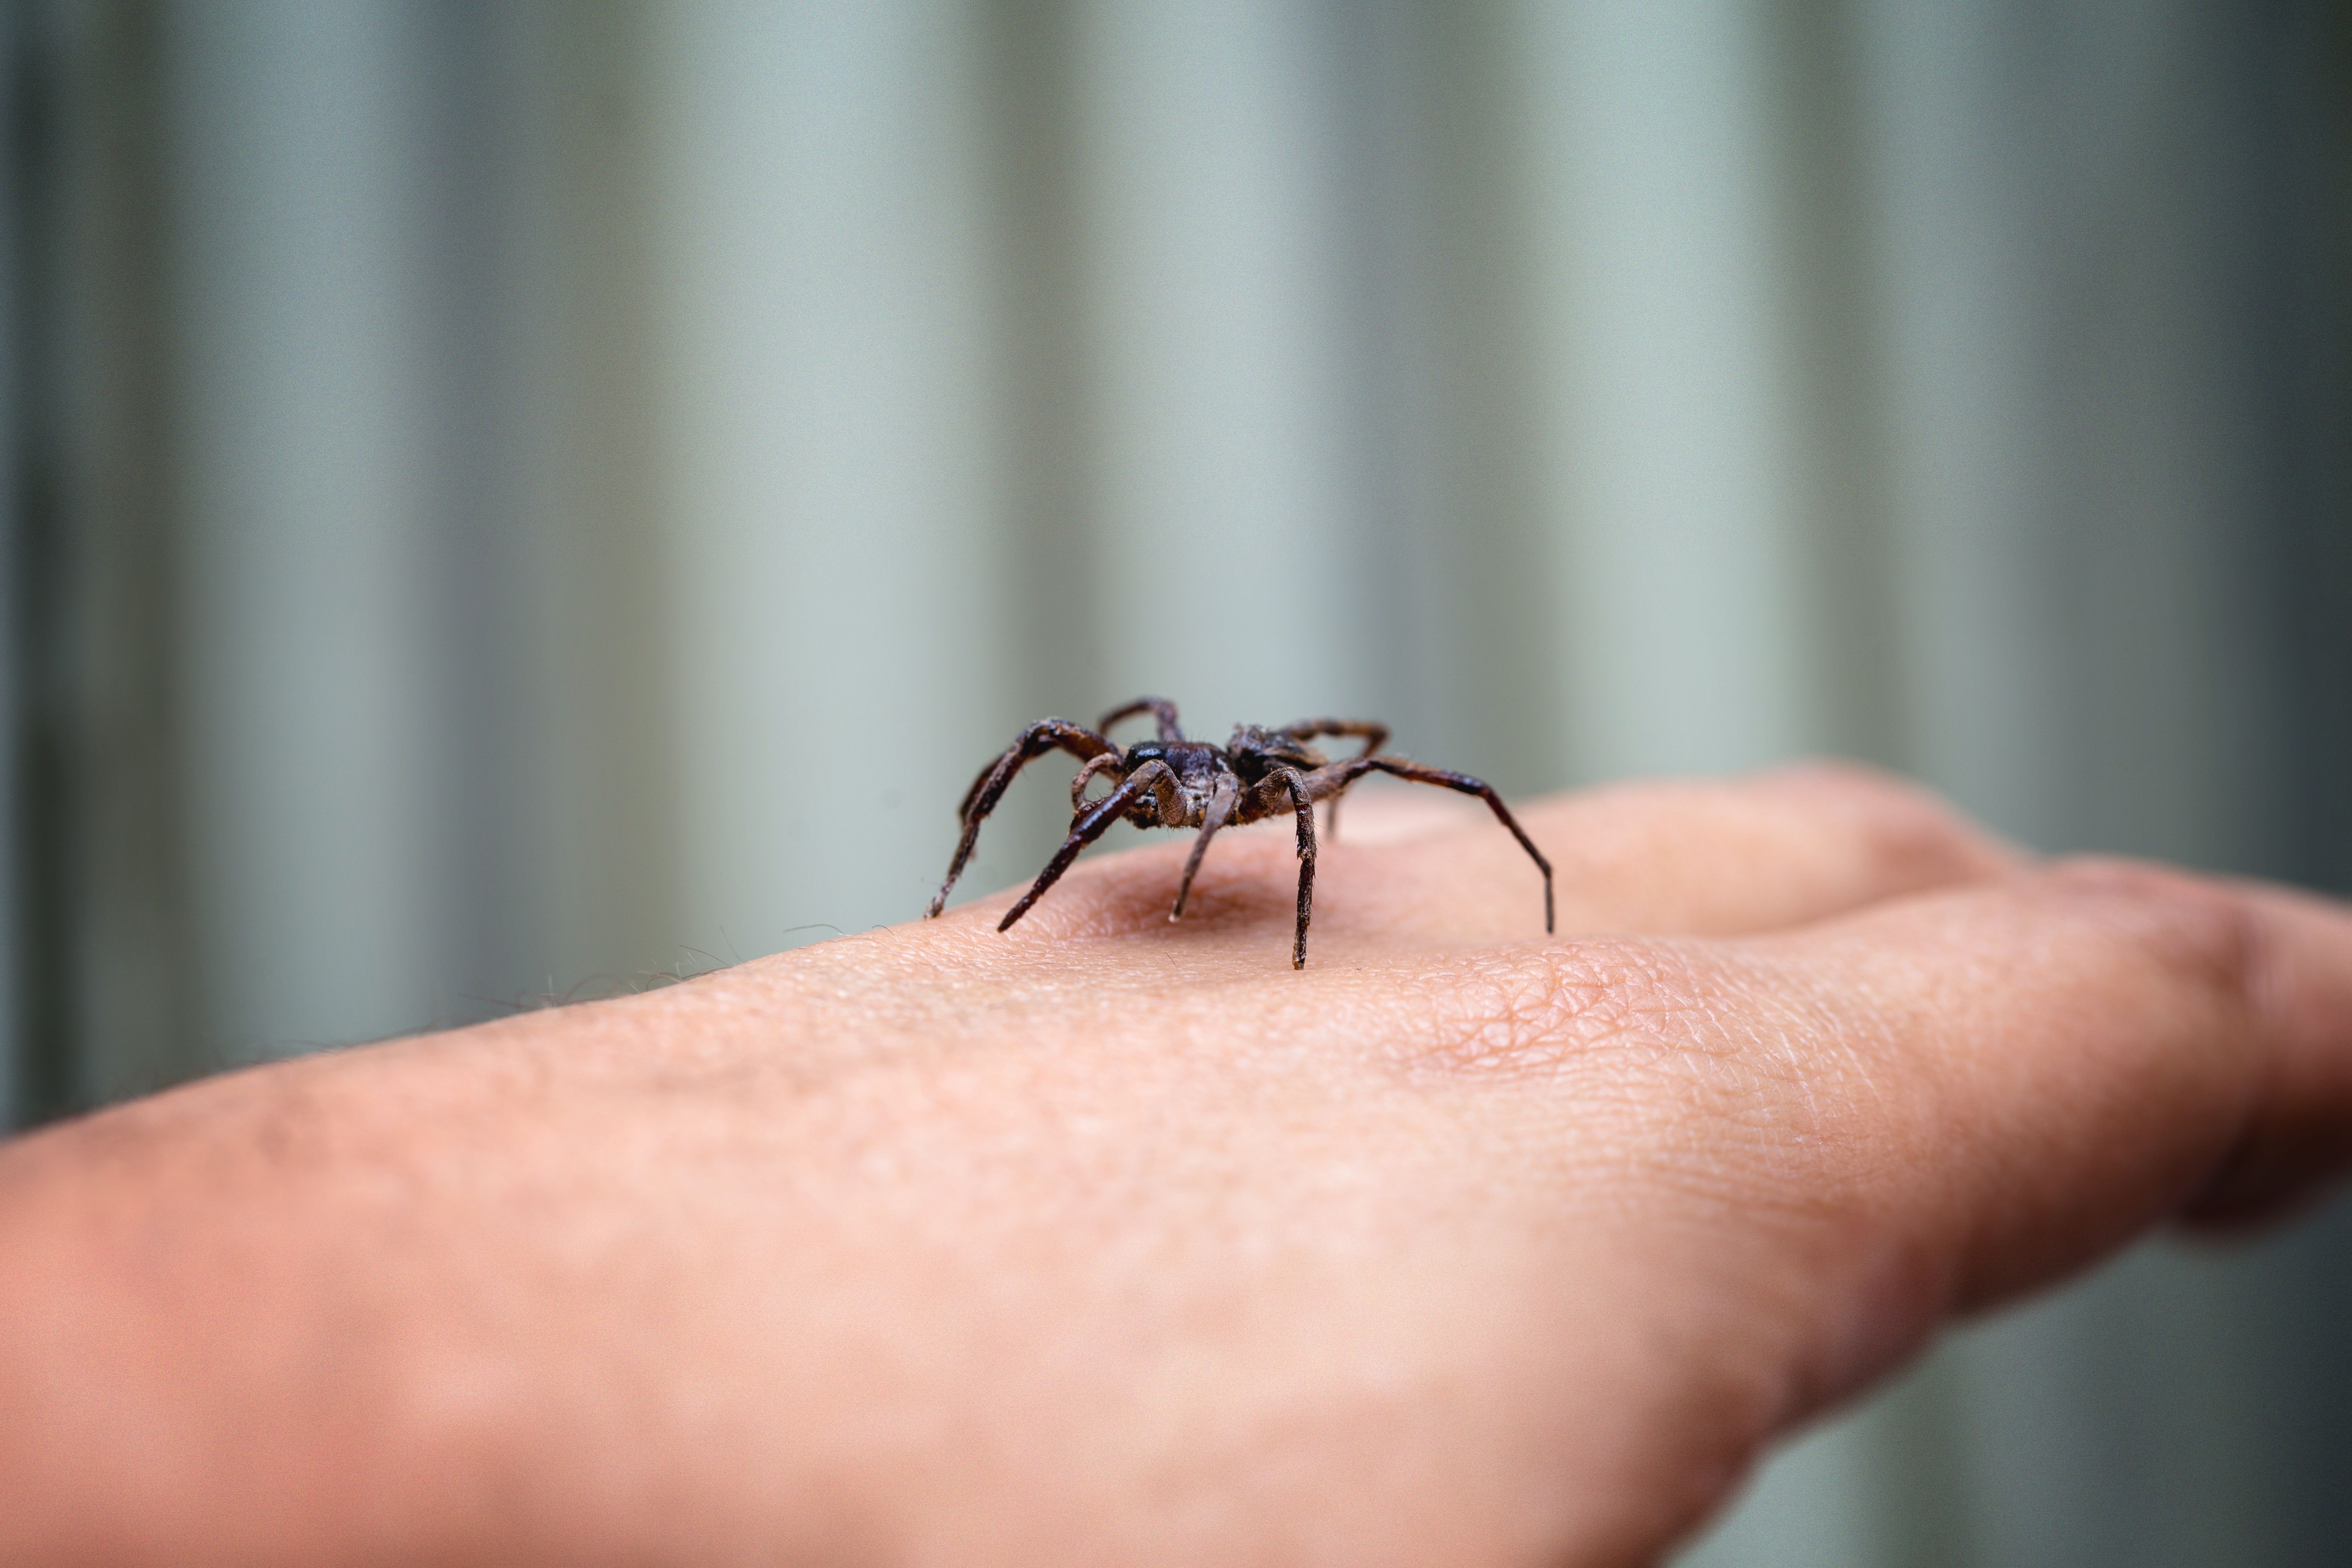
<point>510,501</point>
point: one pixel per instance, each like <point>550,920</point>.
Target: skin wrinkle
<point>1530,1014</point>
<point>1815,1045</point>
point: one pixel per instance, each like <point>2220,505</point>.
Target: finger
<point>2012,1079</point>
<point>2298,989</point>
<point>1416,869</point>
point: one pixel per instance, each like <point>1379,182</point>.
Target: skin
<point>1109,1240</point>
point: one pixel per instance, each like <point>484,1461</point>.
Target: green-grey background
<point>511,500</point>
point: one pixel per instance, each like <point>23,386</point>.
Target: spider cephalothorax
<point>1171,782</point>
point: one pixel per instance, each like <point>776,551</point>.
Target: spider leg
<point>1166,796</point>
<point>1342,774</point>
<point>1373,733</point>
<point>1162,711</point>
<point>1221,807</point>
<point>1091,824</point>
<point>1107,762</point>
<point>1044,736</point>
<point>1265,801</point>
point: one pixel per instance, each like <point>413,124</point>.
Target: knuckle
<point>2190,927</point>
<point>1903,827</point>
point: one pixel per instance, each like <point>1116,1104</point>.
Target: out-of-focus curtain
<point>513,499</point>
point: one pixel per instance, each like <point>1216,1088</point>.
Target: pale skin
<point>1112,1241</point>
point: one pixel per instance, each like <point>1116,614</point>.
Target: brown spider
<point>1172,782</point>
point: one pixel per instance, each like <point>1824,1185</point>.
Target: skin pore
<point>1109,1240</point>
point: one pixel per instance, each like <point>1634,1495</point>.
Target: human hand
<point>1112,1240</point>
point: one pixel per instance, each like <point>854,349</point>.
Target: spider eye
<point>1147,752</point>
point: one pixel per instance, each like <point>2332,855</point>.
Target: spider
<point>1172,782</point>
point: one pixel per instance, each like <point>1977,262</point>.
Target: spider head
<point>1144,752</point>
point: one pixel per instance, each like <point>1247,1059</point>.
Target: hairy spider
<point>1172,782</point>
